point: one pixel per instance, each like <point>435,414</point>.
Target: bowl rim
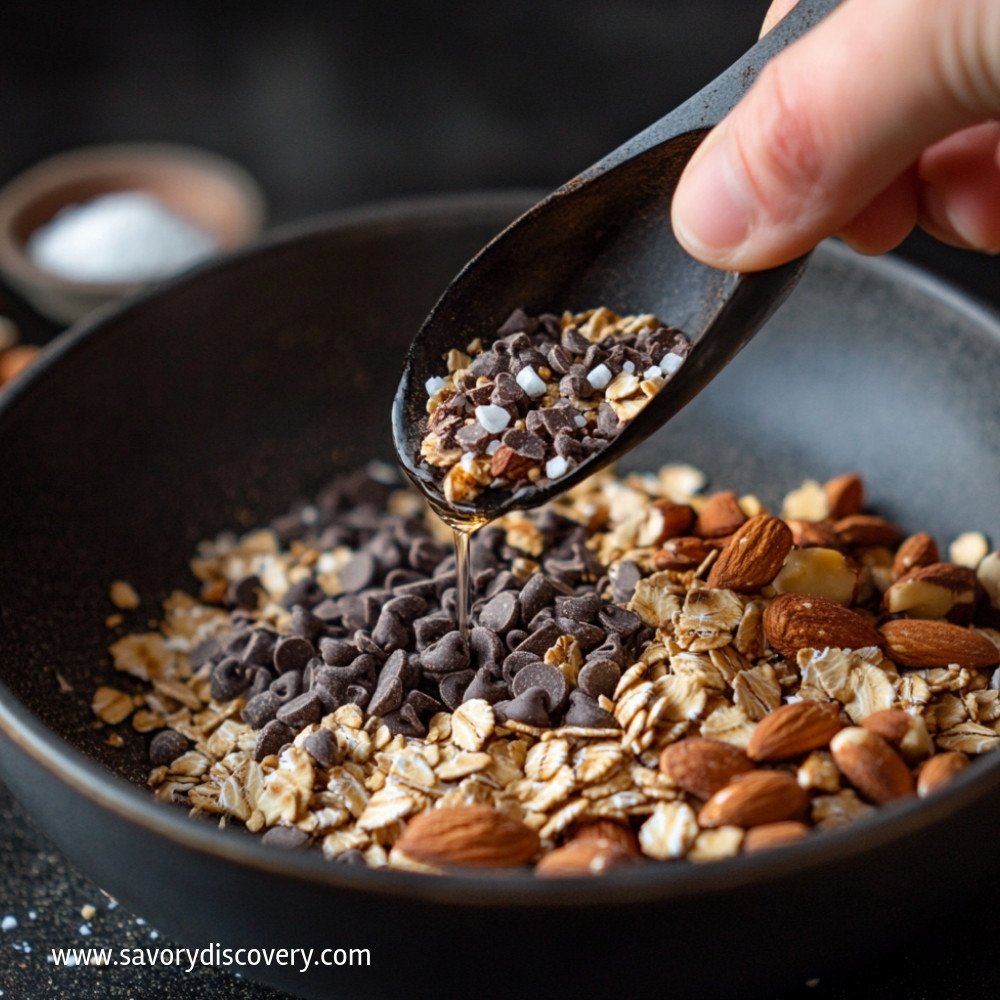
<point>135,805</point>
<point>93,161</point>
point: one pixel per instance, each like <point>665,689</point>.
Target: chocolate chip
<point>422,703</point>
<point>599,677</point>
<point>607,421</point>
<point>485,648</point>
<point>541,639</point>
<point>392,683</point>
<point>292,653</point>
<point>529,707</point>
<point>323,747</point>
<point>448,654</point>
<point>366,644</point>
<point>328,611</point>
<point>518,322</point>
<point>390,633</point>
<point>611,649</point>
<point>304,623</point>
<point>584,711</point>
<point>424,554</point>
<point>404,722</point>
<point>620,620</point>
<point>517,661</point>
<point>286,838</point>
<point>301,711</point>
<point>423,588</point>
<point>502,613</point>
<point>260,709</point>
<point>166,746</point>
<point>574,341</point>
<point>550,679</point>
<point>526,446</point>
<point>331,683</point>
<point>567,446</point>
<point>337,652</point>
<point>287,686</point>
<point>623,581</point>
<point>506,391</point>
<point>452,687</point>
<point>228,679</point>
<point>306,592</point>
<point>363,670</point>
<point>557,418</point>
<point>535,595</point>
<point>261,679</point>
<point>358,572</point>
<point>204,652</point>
<point>581,608</point>
<point>560,360</point>
<point>488,686</point>
<point>246,592</point>
<point>260,648</point>
<point>588,636</point>
<point>499,582</point>
<point>271,739</point>
<point>430,629</point>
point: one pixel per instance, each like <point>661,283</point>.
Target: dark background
<point>341,103</point>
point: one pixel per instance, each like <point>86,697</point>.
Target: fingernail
<point>712,209</point>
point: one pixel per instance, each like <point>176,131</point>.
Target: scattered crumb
<point>123,596</point>
<point>64,685</point>
<point>8,923</point>
<point>88,912</point>
<point>113,621</point>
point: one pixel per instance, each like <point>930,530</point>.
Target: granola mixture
<point>548,392</point>
<point>653,674</point>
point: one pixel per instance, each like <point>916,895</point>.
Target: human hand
<point>879,119</point>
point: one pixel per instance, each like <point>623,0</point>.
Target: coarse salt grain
<point>556,467</point>
<point>527,378</point>
<point>492,418</point>
<point>670,363</point>
<point>435,384</point>
<point>122,236</point>
<point>599,376</point>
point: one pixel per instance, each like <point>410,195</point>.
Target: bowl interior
<point>215,402</point>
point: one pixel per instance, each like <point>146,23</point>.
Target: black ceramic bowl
<point>223,397</point>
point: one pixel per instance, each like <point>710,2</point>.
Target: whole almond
<point>476,835</point>
<point>797,621</point>
<point>939,770</point>
<point>940,590</point>
<point>763,838</point>
<point>866,529</point>
<point>753,799</point>
<point>578,858</point>
<point>871,765</point>
<point>721,514</point>
<point>907,733</point>
<point>794,729</point>
<point>917,550</point>
<point>753,556</point>
<point>683,553</point>
<point>920,642</point>
<point>701,767</point>
<point>812,534</point>
<point>845,495</point>
<point>608,829</point>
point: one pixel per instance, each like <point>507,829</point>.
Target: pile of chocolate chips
<point>532,404</point>
<point>390,642</point>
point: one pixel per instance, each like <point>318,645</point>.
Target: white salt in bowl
<point>195,187</point>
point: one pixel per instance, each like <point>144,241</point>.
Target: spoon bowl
<point>604,239</point>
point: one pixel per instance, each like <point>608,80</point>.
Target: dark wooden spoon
<point>605,238</point>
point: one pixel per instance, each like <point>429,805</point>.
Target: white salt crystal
<point>556,467</point>
<point>670,363</point>
<point>528,379</point>
<point>435,384</point>
<point>600,376</point>
<point>122,236</point>
<point>492,417</point>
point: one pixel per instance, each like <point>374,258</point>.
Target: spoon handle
<point>715,100</point>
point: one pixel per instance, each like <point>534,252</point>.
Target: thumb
<point>832,122</point>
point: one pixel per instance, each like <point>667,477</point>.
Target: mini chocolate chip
<point>357,694</point>
<point>337,652</point>
<point>567,446</point>
<point>502,613</point>
<point>515,637</point>
<point>452,687</point>
<point>518,322</point>
<point>366,644</point>
<point>228,679</point>
<point>545,676</point>
<point>620,620</point>
<point>358,572</point>
<point>610,649</point>
<point>560,360</point>
<point>287,686</point>
<point>581,608</point>
<point>166,746</point>
<point>488,686</point>
<point>390,633</point>
<point>423,588</point>
<point>448,654</point>
<point>485,648</point>
<point>541,639</point>
<point>424,554</point>
<point>364,670</point>
<point>261,679</point>
<point>623,581</point>
<point>535,595</point>
<point>204,652</point>
<point>529,707</point>
<point>421,702</point>
<point>499,582</point>
<point>525,445</point>
<point>306,592</point>
<point>480,396</point>
<point>271,739</point>
<point>588,636</point>
<point>584,711</point>
<point>599,677</point>
<point>286,838</point>
<point>574,341</point>
<point>292,652</point>
<point>260,709</point>
<point>260,648</point>
<point>301,711</point>
<point>557,418</point>
<point>392,683</point>
<point>305,623</point>
<point>323,747</point>
<point>515,662</point>
<point>576,387</point>
<point>404,722</point>
<point>246,592</point>
<point>506,391</point>
<point>328,611</point>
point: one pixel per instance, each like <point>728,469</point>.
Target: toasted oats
<point>670,832</point>
<point>730,724</point>
<point>111,705</point>
<point>655,600</point>
<point>387,805</point>
<point>714,845</point>
<point>472,723</point>
<point>707,619</point>
<point>757,691</point>
<point>837,810</point>
<point>544,760</point>
<point>969,737</point>
<point>818,773</point>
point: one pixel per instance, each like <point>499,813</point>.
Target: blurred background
<point>352,101</point>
